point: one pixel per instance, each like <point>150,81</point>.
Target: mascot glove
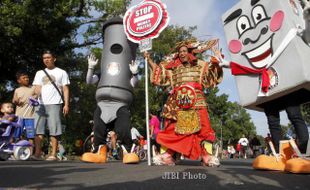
<point>224,63</point>
<point>134,67</point>
<point>92,61</point>
<point>218,55</point>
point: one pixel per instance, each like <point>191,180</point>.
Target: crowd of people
<point>246,148</point>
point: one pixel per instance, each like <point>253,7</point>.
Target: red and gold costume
<point>186,117</point>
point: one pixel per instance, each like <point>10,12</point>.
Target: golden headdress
<point>194,47</point>
<point>197,46</point>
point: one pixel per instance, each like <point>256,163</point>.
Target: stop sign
<point>146,20</point>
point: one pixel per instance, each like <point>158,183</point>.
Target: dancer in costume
<point>187,128</point>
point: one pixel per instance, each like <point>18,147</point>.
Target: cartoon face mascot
<point>114,93</point>
<point>268,43</point>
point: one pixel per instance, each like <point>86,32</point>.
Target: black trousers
<point>293,111</point>
<point>121,126</point>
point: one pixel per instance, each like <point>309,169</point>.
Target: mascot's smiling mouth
<point>260,56</point>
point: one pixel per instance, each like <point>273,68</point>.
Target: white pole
<point>147,114</point>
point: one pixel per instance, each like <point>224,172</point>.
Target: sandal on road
<point>35,158</point>
<point>51,158</point>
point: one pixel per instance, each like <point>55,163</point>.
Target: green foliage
<point>156,101</point>
<point>109,7</point>
<point>169,37</point>
<point>306,112</point>
<point>261,140</point>
<point>228,118</point>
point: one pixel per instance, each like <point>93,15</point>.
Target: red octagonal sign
<point>146,20</point>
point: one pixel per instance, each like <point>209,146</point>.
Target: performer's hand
<point>217,54</point>
<point>134,67</point>
<point>219,57</point>
<point>224,63</point>
<point>148,60</point>
<point>146,55</point>
<point>92,61</point>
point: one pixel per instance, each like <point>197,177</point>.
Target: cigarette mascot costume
<point>269,46</point>
<point>114,92</point>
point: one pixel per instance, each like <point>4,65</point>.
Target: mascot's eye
<point>258,14</point>
<point>243,24</point>
<point>116,49</point>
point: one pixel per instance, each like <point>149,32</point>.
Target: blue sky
<point>206,15</point>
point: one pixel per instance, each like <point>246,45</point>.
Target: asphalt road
<point>189,175</point>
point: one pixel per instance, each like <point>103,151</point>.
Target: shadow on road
<point>41,175</point>
<point>189,175</point>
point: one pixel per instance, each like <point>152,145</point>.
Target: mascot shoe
<point>99,157</point>
<point>298,165</point>
<point>264,162</point>
<point>130,158</point>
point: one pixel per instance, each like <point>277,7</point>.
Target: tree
<point>28,27</point>
<point>306,112</point>
<point>228,119</point>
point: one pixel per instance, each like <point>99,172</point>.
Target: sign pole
<point>145,45</point>
<point>143,23</point>
<point>147,114</point>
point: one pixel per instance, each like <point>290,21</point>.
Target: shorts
<point>50,115</point>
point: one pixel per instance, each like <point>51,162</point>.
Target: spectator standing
<point>52,86</point>
<point>135,135</point>
<point>155,128</point>
<point>21,100</point>
<point>22,94</point>
<point>238,149</point>
<point>231,151</point>
<point>244,142</point>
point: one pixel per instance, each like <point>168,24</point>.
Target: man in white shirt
<point>135,135</point>
<point>244,145</point>
<point>51,100</point>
